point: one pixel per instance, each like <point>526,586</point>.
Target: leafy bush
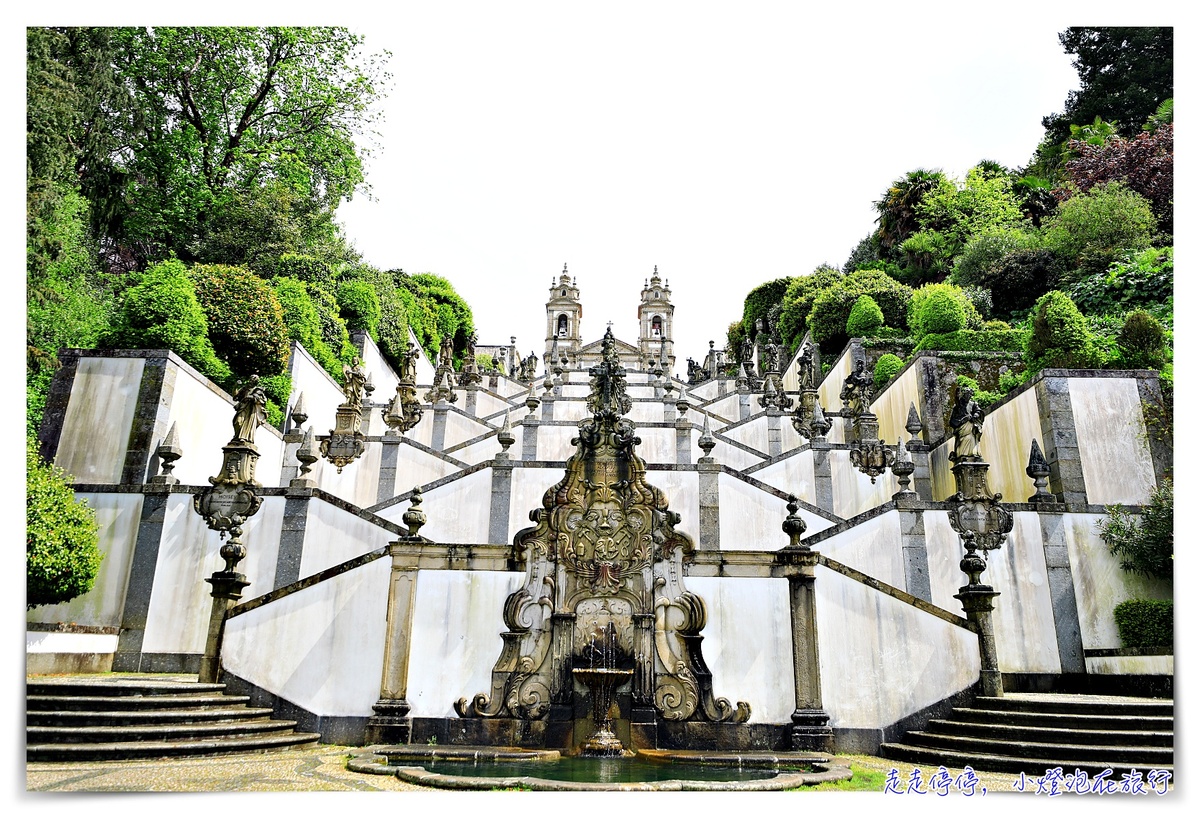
<point>831,306</point>
<point>309,269</point>
<point>245,319</point>
<point>887,366</point>
<point>437,296</point>
<point>798,301</point>
<point>62,554</point>
<point>1060,337</point>
<point>161,311</point>
<point>941,308</point>
<point>967,340</point>
<point>1146,547</point>
<point>983,253</point>
<point>995,325</point>
<point>1146,623</point>
<point>1020,278</point>
<point>1135,279</point>
<point>1142,341</point>
<point>303,322</point>
<point>1109,217</point>
<point>759,300</point>
<point>333,328</point>
<point>484,361</point>
<point>359,306</point>
<point>865,318</point>
<point>982,396</point>
<point>278,389</point>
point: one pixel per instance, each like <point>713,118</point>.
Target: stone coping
<point>375,760</point>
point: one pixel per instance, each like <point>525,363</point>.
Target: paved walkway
<point>319,769</point>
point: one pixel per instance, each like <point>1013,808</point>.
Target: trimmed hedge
<point>303,322</point>
<point>359,306</point>
<point>886,367</point>
<point>761,299</point>
<point>1146,623</point>
<point>1060,336</point>
<point>798,301</point>
<point>161,311</point>
<point>62,554</point>
<point>832,305</point>
<point>968,340</point>
<point>865,318</point>
<point>245,319</point>
<point>1142,341</point>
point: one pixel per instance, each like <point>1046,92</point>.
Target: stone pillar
<point>710,504</point>
<point>721,387</point>
<point>822,474</point>
<point>291,465</point>
<point>1159,435</point>
<point>1058,435</point>
<point>291,536</point>
<point>439,425</point>
<point>150,417</point>
<point>472,391</point>
<point>977,604</point>
<point>391,723</point>
<point>683,439</point>
<point>669,411</point>
<point>547,407</point>
<point>128,656</point>
<point>810,721</point>
<point>1062,589</point>
<point>498,514</point>
<point>915,552</point>
<point>743,405</point>
<point>55,411</point>
<point>774,431</point>
<point>226,591</point>
<point>389,460</point>
<point>529,436</point>
<point>922,477</point>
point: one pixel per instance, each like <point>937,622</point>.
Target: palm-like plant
<point>898,207</point>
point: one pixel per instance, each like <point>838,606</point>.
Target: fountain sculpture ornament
<point>603,557</point>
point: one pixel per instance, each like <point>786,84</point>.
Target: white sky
<point>728,145</point>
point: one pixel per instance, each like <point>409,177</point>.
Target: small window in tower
<point>656,326</point>
<point>562,326</point>
<point>564,292</point>
<point>656,293</point>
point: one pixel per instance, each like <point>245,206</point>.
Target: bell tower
<point>563,313</point>
<point>655,319</point>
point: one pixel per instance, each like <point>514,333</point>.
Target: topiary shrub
<point>886,367</point>
<point>161,311</point>
<point>996,325</point>
<point>832,305</point>
<point>62,554</point>
<point>1107,218</point>
<point>940,308</point>
<point>359,306</point>
<point>1146,547</point>
<point>865,318</point>
<point>1146,623</point>
<point>1142,341</point>
<point>245,319</point>
<point>1060,337</point>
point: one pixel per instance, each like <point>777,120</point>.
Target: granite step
<point>120,750</point>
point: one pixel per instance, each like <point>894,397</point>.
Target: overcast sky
<point>727,144</point>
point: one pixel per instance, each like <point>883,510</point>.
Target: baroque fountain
<point>602,646</point>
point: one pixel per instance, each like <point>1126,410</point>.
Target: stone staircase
<point>114,717</point>
<point>1036,732</point>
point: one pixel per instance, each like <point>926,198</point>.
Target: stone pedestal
<point>226,590</point>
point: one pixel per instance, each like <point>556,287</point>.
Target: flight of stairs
<point>112,717</point>
<point>1036,732</point>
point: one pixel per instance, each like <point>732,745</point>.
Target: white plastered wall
<point>1111,431</point>
<point>95,431</point>
<point>333,535</point>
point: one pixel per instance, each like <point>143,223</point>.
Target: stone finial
<point>369,386</point>
<point>414,518</point>
<point>903,467</point>
<point>913,425</point>
<point>706,442</point>
<point>505,436</point>
<point>682,406</point>
<point>793,524</point>
<point>168,452</point>
<point>532,402</point>
<point>307,455</point>
<point>1039,470</point>
<point>299,413</point>
<point>742,384</point>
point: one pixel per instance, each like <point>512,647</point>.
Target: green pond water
<point>595,770</point>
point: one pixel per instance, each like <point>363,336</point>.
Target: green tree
<point>226,122</point>
<point>1124,73</point>
<point>832,305</point>
<point>245,319</point>
<point>798,301</point>
<point>759,301</point>
<point>898,209</point>
<point>1146,547</point>
<point>62,556</point>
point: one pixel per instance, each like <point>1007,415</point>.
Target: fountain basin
<point>487,768</point>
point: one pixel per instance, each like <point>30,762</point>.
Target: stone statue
<point>446,356</point>
<point>408,364</point>
<point>966,419</point>
<point>747,351</point>
<point>856,390</point>
<point>355,382</point>
<point>249,410</point>
<point>471,339</point>
<point>772,356</point>
<point>805,369</point>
